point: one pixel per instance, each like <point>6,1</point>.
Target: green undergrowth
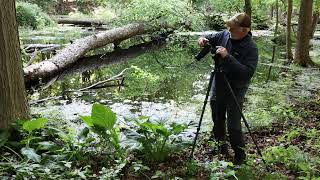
<point>39,149</point>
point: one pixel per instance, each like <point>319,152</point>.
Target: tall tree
<point>288,37</point>
<point>247,7</point>
<point>13,104</point>
<point>302,56</point>
<point>315,17</point>
<point>275,38</point>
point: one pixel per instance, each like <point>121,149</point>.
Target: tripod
<point>218,70</point>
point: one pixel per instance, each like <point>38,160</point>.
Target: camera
<point>206,49</point>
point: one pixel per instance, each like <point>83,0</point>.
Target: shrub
<point>158,140</point>
<point>31,15</point>
<point>214,22</point>
<point>259,21</point>
<point>161,12</point>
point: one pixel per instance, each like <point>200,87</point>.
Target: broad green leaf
<point>87,120</point>
<point>163,131</point>
<point>34,124</point>
<point>178,128</point>
<point>103,116</point>
<point>31,154</point>
<point>149,126</point>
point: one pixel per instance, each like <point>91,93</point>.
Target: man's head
<point>239,25</point>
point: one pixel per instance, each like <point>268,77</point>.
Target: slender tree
<point>248,7</point>
<point>13,104</point>
<point>302,56</point>
<point>288,37</point>
<point>275,38</point>
<point>315,17</point>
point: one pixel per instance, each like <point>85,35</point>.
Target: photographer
<point>239,57</point>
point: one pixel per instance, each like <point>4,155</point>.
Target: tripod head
<point>209,48</point>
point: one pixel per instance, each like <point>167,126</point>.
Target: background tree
<point>315,17</point>
<point>247,7</point>
<point>12,97</point>
<point>288,36</point>
<point>302,56</point>
<point>275,38</point>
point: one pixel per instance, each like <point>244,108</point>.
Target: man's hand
<point>202,41</point>
<point>222,51</point>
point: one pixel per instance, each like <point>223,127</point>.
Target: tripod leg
<point>202,112</point>
<point>244,119</point>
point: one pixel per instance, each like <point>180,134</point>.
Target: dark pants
<point>224,109</point>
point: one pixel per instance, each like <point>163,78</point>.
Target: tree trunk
<point>49,68</point>
<point>248,8</point>
<point>315,19</point>
<point>288,37</point>
<point>118,56</point>
<point>275,37</point>
<point>302,56</point>
<point>271,12</point>
<point>85,23</point>
<point>13,103</point>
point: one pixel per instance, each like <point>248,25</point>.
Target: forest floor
<point>290,147</point>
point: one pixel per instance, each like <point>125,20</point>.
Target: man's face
<point>236,32</point>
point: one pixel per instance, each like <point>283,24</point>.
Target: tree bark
<point>302,56</point>
<point>288,37</point>
<point>271,12</point>
<point>247,7</point>
<point>85,23</point>
<point>275,37</point>
<point>49,68</point>
<point>13,103</point>
<point>315,19</point>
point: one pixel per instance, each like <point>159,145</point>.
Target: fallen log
<point>33,74</point>
<point>102,60</point>
<point>29,48</point>
<point>83,22</point>
<point>117,56</point>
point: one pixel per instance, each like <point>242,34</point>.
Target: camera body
<point>206,49</point>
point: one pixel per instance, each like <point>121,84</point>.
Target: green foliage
<point>53,153</point>
<point>221,170</point>
<point>46,5</point>
<point>269,103</point>
<point>30,15</point>
<point>215,22</point>
<point>259,21</point>
<point>157,139</point>
<point>293,158</point>
<point>102,121</point>
<point>162,12</point>
<point>222,6</point>
<point>34,124</point>
<point>192,167</point>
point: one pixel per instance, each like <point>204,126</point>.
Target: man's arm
<point>207,42</point>
<point>245,70</point>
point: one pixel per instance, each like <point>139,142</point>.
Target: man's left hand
<point>222,51</point>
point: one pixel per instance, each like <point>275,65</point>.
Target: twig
<point>113,78</point>
<point>33,57</point>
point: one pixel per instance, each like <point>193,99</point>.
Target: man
<point>239,57</point>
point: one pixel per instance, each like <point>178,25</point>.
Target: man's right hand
<point>202,41</point>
